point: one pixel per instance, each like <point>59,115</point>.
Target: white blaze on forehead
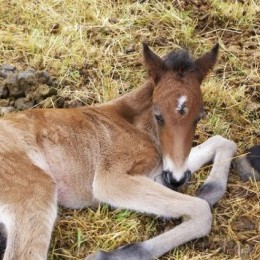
<point>181,103</point>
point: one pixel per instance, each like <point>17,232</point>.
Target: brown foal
<point>133,152</point>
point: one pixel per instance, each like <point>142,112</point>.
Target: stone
<point>26,78</point>
<point>43,77</point>
<point>3,74</point>
<point>4,92</point>
<point>72,104</point>
<point>8,67</point>
<point>6,70</point>
<point>4,102</point>
<point>23,103</point>
<point>40,92</point>
<point>11,83</point>
<point>6,110</point>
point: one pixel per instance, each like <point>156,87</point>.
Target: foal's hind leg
<point>221,152</point>
<point>27,209</point>
<point>142,194</point>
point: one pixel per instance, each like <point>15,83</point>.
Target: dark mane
<point>179,61</point>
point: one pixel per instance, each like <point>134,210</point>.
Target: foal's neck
<point>139,100</point>
<point>136,107</point>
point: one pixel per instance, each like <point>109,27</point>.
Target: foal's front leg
<point>220,151</point>
<point>122,190</point>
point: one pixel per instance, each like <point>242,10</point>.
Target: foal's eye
<point>159,118</point>
<point>157,115</point>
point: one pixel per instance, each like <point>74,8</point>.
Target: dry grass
<point>93,49</point>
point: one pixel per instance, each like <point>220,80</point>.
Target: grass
<point>92,48</point>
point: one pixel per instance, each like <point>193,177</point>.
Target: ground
<point>90,51</point>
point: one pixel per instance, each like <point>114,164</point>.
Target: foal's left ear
<point>206,62</point>
<point>154,64</point>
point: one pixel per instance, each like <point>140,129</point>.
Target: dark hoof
<point>248,166</point>
<point>3,241</point>
<point>211,192</point>
<point>129,252</point>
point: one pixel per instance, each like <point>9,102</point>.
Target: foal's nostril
<point>168,179</point>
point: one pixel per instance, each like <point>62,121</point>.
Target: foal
<point>132,152</point>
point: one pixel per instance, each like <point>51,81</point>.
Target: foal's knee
<point>202,217</point>
<point>225,144</point>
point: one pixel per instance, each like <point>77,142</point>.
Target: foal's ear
<point>206,62</point>
<point>154,64</point>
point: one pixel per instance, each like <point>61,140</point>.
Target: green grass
<point>93,50</point>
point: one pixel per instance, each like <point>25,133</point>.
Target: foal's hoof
<point>212,192</point>
<point>248,166</point>
<point>129,252</point>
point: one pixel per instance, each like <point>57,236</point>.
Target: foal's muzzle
<point>170,182</point>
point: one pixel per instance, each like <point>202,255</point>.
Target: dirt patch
<point>20,90</point>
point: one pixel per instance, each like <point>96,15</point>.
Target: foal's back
<point>68,144</point>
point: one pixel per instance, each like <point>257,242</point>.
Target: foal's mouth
<point>170,182</point>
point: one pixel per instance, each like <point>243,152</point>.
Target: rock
<point>23,103</point>
<point>11,83</point>
<point>6,110</point>
<point>4,102</point>
<point>8,67</point>
<point>11,80</point>
<point>2,74</point>
<point>72,104</point>
<point>6,70</point>
<point>26,78</point>
<point>45,91</point>
<point>49,102</point>
<point>19,83</point>
<point>24,89</point>
<point>43,77</point>
<point>4,92</point>
<point>40,92</point>
<point>60,102</point>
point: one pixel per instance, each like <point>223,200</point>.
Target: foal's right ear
<point>206,62</point>
<point>154,64</point>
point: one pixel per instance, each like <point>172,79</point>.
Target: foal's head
<point>177,106</point>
